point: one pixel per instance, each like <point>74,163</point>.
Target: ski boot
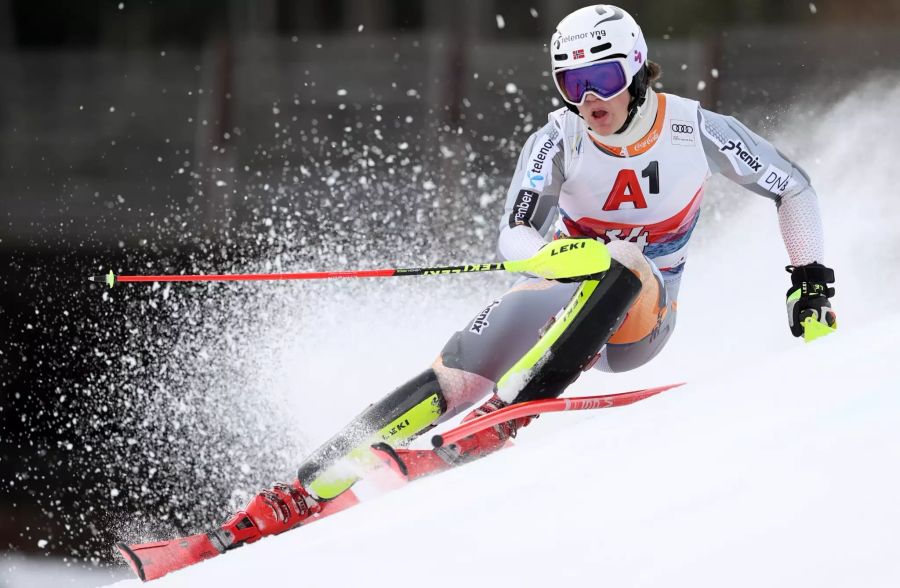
<point>415,463</point>
<point>270,512</point>
<point>485,441</point>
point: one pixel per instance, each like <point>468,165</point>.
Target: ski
<point>153,560</point>
<point>416,463</point>
<point>536,407</point>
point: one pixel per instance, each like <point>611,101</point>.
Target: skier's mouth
<point>599,114</point>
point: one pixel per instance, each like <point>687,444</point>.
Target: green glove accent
<point>813,329</point>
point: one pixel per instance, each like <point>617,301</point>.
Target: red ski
<point>536,407</point>
<point>153,560</point>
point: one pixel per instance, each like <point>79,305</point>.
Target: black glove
<point>809,296</point>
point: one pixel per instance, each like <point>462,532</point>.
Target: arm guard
<point>533,195</point>
<point>749,160</point>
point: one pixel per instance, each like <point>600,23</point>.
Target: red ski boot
<point>270,512</point>
<point>415,463</point>
<point>486,441</point>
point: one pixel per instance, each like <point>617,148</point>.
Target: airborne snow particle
<point>121,6</point>
<point>812,7</point>
<point>113,492</point>
<point>360,28</point>
<point>112,108</point>
<point>511,88</point>
<point>501,23</point>
<point>534,12</point>
<point>342,92</point>
<point>42,543</point>
<point>701,85</point>
<point>221,184</point>
<point>714,73</point>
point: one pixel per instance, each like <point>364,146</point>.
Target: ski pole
<point>535,407</point>
<point>563,258</point>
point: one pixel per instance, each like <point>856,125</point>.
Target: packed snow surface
<point>777,472</point>
<point>775,466</point>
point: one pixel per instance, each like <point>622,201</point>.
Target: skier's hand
<point>809,309</point>
<point>589,276</point>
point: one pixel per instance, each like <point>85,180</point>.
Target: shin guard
<point>397,418</point>
<point>571,341</point>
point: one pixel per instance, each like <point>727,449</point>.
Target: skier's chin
<point>605,117</point>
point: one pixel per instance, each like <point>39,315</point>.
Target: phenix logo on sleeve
<point>481,321</point>
<point>736,149</point>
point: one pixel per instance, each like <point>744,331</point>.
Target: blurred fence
<point>92,141</point>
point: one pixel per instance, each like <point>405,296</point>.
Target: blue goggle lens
<point>606,79</point>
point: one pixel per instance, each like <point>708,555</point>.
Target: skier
<point>622,164</point>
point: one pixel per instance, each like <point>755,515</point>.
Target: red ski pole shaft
<point>111,278</point>
<point>536,407</point>
<point>563,258</point>
<point>379,273</point>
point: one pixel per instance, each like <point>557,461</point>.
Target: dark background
<point>167,136</point>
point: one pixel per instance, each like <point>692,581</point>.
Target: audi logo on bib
<point>681,128</point>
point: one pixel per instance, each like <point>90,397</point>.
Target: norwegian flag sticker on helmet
<point>578,54</point>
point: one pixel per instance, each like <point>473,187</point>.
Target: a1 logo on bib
<point>682,132</point>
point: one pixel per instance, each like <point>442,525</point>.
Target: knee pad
<point>651,306</point>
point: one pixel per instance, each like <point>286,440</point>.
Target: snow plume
<point>854,155</point>
<point>199,395</point>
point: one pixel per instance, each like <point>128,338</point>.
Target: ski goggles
<point>606,79</point>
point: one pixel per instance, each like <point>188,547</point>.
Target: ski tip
<point>134,562</point>
<point>437,441</point>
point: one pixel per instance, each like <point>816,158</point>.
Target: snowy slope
<point>758,476</point>
<point>775,466</point>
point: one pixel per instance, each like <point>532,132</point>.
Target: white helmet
<point>604,52</point>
